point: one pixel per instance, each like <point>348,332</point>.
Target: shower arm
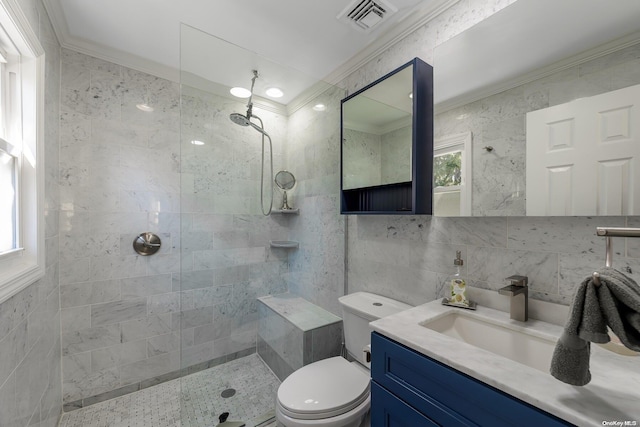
<point>250,103</point>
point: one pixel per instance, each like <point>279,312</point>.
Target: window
<point>21,152</point>
<point>452,175</point>
<point>9,206</point>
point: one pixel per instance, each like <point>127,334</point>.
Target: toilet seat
<point>323,389</point>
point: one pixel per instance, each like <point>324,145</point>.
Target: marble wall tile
<point>75,318</point>
<point>494,265</point>
<point>146,327</point>
<point>204,297</point>
<point>144,286</point>
<point>149,368</point>
<point>164,303</point>
<point>273,360</point>
<point>117,266</point>
<point>164,263</point>
<point>78,294</point>
<point>196,354</point>
<point>326,342</point>
<point>31,380</point>
<point>235,343</point>
<point>633,245</point>
<point>202,334</point>
<point>235,316</point>
<point>559,234</point>
<point>189,280</point>
<point>118,355</point>
<point>166,343</point>
<point>412,286</point>
<point>9,415</point>
<point>90,339</point>
<point>574,268</point>
<point>78,270</point>
<point>191,318</point>
<point>13,349</point>
<point>203,260</point>
<point>118,311</point>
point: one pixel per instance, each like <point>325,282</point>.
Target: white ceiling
<point>300,35</point>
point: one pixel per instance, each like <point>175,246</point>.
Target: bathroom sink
<point>502,338</point>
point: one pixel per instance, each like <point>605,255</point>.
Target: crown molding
<point>116,56</point>
<point>27,34</point>
<point>581,58</point>
<point>386,40</point>
<point>307,96</point>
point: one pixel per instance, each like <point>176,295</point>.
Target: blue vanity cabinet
<point>411,389</point>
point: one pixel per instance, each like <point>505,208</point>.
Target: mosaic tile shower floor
<point>160,405</point>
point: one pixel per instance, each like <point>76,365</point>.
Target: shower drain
<point>228,393</point>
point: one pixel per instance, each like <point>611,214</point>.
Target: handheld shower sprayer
<point>245,120</point>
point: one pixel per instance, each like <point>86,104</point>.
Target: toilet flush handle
<point>367,353</point>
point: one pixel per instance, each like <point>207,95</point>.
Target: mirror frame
<point>405,198</point>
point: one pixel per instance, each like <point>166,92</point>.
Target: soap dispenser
<point>458,284</point>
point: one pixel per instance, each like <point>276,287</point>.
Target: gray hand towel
<point>615,303</point>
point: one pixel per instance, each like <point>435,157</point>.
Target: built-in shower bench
<point>292,332</point>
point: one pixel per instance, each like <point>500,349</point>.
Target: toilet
<point>335,392</point>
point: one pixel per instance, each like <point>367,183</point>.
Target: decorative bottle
<point>458,284</point>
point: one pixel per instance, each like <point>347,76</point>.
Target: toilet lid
<point>329,387</point>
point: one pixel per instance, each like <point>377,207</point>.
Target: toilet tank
<point>358,309</point>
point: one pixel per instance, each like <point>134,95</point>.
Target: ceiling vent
<point>366,14</point>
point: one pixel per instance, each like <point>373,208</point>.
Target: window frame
<point>22,267</point>
<point>7,149</point>
<point>459,142</point>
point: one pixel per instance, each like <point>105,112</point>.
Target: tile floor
<point>192,401</point>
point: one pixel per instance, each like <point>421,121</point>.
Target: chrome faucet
<point>519,293</point>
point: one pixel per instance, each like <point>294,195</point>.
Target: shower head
<point>242,120</point>
<point>239,119</point>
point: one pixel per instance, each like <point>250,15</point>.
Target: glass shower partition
<point>226,257</point>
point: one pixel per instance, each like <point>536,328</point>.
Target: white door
<point>583,156</point>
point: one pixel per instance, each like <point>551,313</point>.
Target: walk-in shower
<point>245,120</point>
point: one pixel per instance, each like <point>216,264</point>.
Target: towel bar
<point>610,232</point>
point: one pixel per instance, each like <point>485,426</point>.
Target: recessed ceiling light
<point>144,107</point>
<point>319,107</point>
<point>274,92</point>
<point>240,92</point>
<point>197,142</point>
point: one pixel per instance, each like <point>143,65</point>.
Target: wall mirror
<point>386,150</point>
<point>511,116</point>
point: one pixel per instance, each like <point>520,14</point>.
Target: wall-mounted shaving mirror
<point>518,82</point>
<point>285,181</point>
<point>387,147</point>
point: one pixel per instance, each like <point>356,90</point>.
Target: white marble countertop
<point>612,395</point>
